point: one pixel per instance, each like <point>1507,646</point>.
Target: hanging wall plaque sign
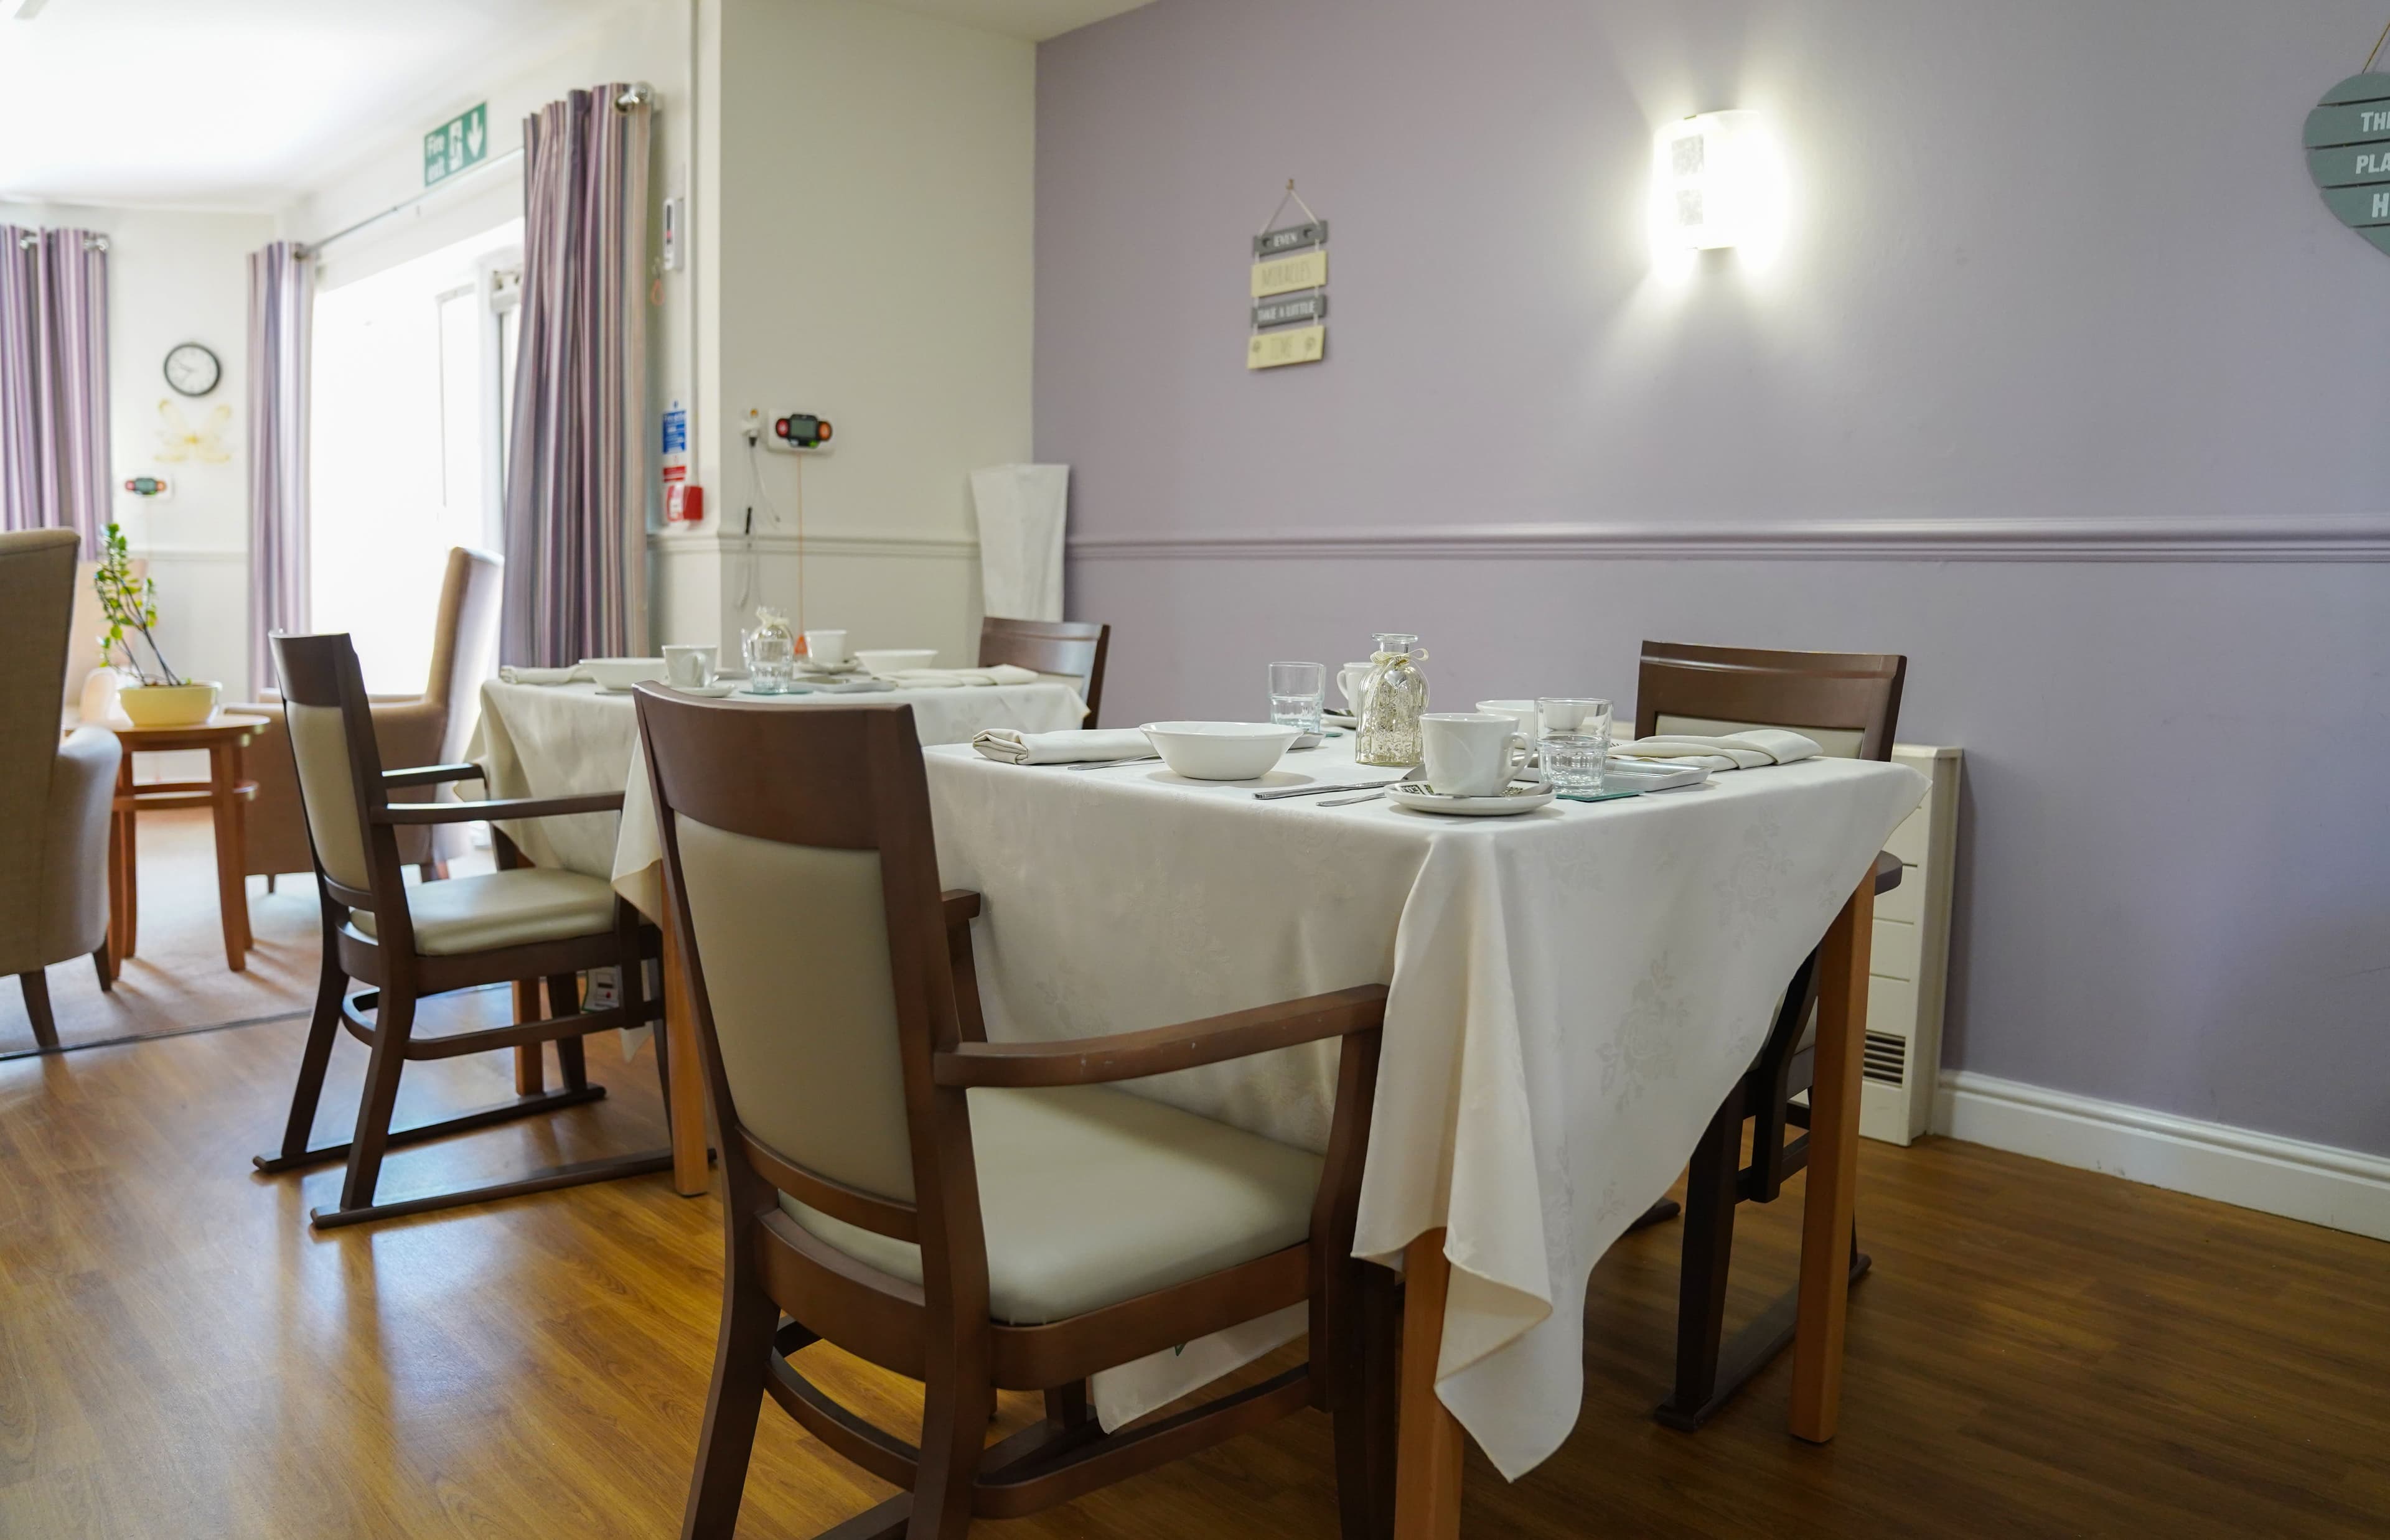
<point>1290,278</point>
<point>2348,154</point>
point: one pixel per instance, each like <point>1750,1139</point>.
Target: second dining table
<point>1570,995</point>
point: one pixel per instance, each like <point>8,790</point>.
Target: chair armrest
<point>506,807</point>
<point>1132,1055</point>
<point>430,775</point>
<point>961,906</point>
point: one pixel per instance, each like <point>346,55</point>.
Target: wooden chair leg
<point>1710,1195</point>
<point>741,1361</point>
<point>1658,1214</point>
<point>322,1031</point>
<point>531,1063</point>
<point>394,1022</point>
<point>1067,1406</point>
<point>564,999</point>
<point>1365,1411</point>
<point>106,967</point>
<point>36,985</point>
<point>955,1415</point>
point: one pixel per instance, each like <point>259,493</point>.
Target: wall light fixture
<point>1716,181</point>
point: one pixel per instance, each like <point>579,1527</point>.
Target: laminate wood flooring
<point>2038,1352</point>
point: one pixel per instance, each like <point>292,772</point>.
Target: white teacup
<point>1349,680</point>
<point>1471,753</point>
<point>1521,712</point>
<point>826,646</point>
<point>690,668</point>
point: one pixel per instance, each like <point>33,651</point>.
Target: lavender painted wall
<point>2050,261</point>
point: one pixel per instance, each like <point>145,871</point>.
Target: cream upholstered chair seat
<point>508,909</point>
<point>1091,1196</point>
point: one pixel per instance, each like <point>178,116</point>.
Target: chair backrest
<point>800,865</point>
<point>1848,701</point>
<point>329,721</point>
<point>37,595</point>
<point>84,656</point>
<point>464,643</point>
<point>1073,648</point>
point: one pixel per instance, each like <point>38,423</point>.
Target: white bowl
<point>1220,751</point>
<point>891,659</point>
<point>621,673</point>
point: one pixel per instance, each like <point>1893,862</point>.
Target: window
<point>414,377</point>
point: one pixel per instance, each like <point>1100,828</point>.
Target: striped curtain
<point>54,446</point>
<point>577,462</point>
<point>281,312</point>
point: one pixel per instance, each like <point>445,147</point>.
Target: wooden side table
<point>226,792</point>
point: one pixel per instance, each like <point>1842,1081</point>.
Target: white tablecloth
<point>560,741</point>
<point>1572,993</point>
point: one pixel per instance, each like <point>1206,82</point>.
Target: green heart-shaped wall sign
<point>2348,154</point>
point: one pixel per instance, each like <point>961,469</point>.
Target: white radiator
<point>1911,956</point>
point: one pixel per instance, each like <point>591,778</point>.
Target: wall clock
<point>192,369</point>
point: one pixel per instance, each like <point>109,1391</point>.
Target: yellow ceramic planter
<point>169,705</point>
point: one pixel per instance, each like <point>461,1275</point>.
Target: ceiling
<point>1035,20</point>
<point>235,104</point>
<point>231,104</point>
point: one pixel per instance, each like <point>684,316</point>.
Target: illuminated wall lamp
<point>1716,181</point>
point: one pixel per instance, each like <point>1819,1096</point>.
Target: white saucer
<point>708,692</point>
<point>1417,796</point>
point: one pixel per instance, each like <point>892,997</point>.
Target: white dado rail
<point>2353,538</point>
<point>897,589</point>
<point>825,542</point>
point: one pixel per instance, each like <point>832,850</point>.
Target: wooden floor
<point>2040,1352</point>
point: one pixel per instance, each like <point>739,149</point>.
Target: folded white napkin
<point>952,679</point>
<point>1745,751</point>
<point>513,675</point>
<point>1011,746</point>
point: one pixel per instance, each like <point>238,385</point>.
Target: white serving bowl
<point>621,673</point>
<point>892,659</point>
<point>1220,751</point>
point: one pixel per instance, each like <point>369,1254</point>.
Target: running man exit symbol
<point>462,141</point>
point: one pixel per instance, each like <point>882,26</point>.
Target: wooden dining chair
<point>1073,648</point>
<point>979,1216</point>
<point>1850,704</point>
<point>525,924</point>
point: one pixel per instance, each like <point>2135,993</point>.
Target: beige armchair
<point>54,795</point>
<point>428,728</point>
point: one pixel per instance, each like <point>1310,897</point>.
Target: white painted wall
<point>866,254</point>
<point>179,277</point>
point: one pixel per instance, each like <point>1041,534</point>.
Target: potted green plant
<point>152,697</point>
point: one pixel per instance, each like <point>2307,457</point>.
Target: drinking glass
<point>1575,737</point>
<point>771,656</point>
<point>1297,694</point>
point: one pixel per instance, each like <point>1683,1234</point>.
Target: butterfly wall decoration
<point>181,443</point>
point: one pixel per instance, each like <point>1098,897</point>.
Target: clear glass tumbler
<point>1298,693</point>
<point>1574,738</point>
<point>771,654</point>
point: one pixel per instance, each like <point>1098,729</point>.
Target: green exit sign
<point>462,141</point>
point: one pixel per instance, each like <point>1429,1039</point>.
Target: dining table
<point>1571,994</point>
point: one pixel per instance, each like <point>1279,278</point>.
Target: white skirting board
<point>2340,1189</point>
